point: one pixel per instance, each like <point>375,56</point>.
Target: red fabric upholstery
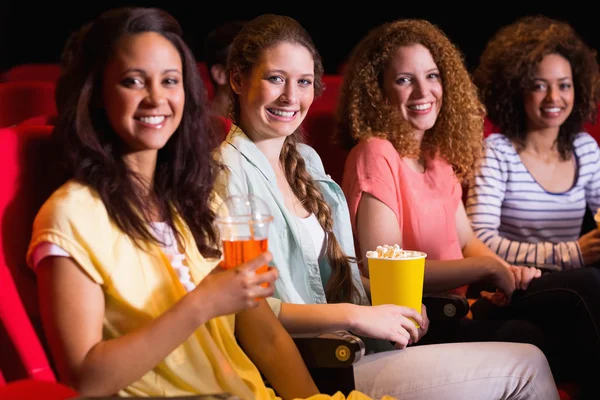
<point>594,129</point>
<point>33,390</point>
<point>20,100</point>
<point>318,128</point>
<point>21,333</point>
<point>33,72</point>
<point>328,100</point>
<point>25,183</point>
<point>203,69</point>
<point>40,120</point>
<point>489,128</point>
<point>222,126</point>
<point>568,391</point>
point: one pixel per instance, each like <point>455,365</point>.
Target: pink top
<point>425,204</point>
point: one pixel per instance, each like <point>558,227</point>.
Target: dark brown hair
<point>506,70</point>
<point>185,170</point>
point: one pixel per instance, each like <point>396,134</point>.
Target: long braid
<point>340,288</point>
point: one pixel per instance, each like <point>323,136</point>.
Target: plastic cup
<point>398,281</point>
<point>243,223</point>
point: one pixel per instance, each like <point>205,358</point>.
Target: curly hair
<point>364,112</point>
<point>91,151</point>
<point>506,69</point>
<point>260,34</point>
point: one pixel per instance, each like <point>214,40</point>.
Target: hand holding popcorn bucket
<point>396,276</point>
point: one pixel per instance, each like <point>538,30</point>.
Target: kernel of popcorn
<point>386,251</point>
<point>372,254</point>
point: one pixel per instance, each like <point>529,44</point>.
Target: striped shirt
<point>521,221</point>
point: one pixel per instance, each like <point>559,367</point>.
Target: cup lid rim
<point>243,219</point>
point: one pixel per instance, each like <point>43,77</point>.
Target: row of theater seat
<point>27,95</point>
<point>23,154</point>
<point>24,364</point>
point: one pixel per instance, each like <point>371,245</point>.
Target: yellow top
<point>140,285</point>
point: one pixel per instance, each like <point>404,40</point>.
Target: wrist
<point>505,263</point>
<point>350,312</point>
<point>492,267</point>
<point>198,312</point>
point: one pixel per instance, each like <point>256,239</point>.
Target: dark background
<point>36,33</point>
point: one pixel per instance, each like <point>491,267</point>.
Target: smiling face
<point>412,82</point>
<point>275,95</point>
<point>549,100</point>
<point>143,91</point>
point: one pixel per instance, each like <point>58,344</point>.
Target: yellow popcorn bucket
<point>398,280</point>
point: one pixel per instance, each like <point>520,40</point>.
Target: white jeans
<point>476,370</point>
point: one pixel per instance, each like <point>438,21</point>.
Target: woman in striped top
<point>526,222</point>
<point>540,82</point>
<point>529,197</point>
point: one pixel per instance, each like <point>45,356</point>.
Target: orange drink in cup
<point>237,252</point>
<point>396,276</point>
<point>243,223</point>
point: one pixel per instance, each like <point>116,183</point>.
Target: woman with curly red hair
<point>413,119</point>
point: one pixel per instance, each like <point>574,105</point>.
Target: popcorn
<point>387,251</point>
